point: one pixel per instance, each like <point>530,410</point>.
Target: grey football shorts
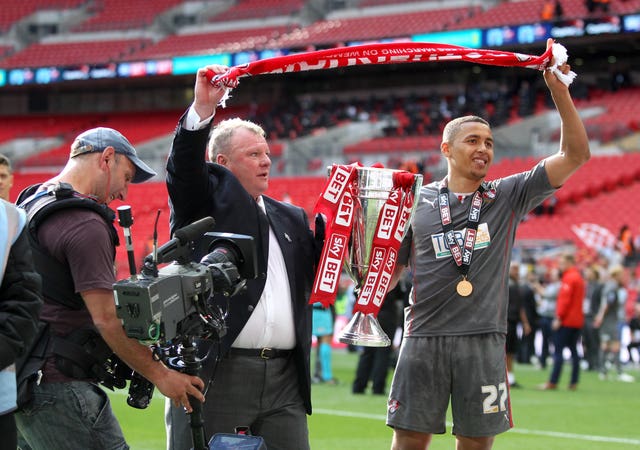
<point>468,371</point>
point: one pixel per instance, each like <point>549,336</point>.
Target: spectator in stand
<point>547,12</point>
<point>515,314</point>
<point>547,207</point>
<point>568,322</point>
<point>626,246</point>
<point>593,5</point>
<point>590,332</point>
<point>559,10</point>
<point>609,319</point>
<point>6,177</point>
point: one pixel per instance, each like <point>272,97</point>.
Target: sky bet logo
<point>333,264</point>
<point>441,248</point>
<point>337,184</point>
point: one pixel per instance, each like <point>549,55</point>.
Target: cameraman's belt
<point>264,353</point>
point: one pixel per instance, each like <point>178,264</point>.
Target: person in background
<point>459,248</point>
<point>6,177</point>
<point>558,10</point>
<point>609,319</point>
<point>20,304</point>
<point>262,374</point>
<point>593,5</point>
<point>547,11</point>
<point>634,330</point>
<point>323,320</point>
<point>527,350</point>
<point>626,246</point>
<point>591,333</point>
<point>568,322</point>
<point>546,306</point>
<point>74,243</point>
<point>515,315</point>
<point>374,362</point>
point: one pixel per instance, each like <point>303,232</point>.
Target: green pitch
<point>599,415</point>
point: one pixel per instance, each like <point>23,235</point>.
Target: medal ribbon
<point>461,256</point>
<point>336,202</point>
<point>390,230</point>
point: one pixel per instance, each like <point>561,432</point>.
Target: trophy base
<point>364,330</point>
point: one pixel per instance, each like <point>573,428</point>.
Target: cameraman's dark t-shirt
<point>79,238</point>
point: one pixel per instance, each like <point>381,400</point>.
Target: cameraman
<point>74,240</point>
<point>263,379</point>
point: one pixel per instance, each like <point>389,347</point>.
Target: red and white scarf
<point>390,53</point>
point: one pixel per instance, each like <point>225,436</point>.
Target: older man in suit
<point>262,379</point>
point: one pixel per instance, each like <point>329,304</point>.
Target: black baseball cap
<point>98,139</point>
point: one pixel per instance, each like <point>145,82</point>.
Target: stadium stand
<point>9,15</point>
<point>370,3</point>
<point>137,127</point>
<point>72,53</point>
<point>210,42</point>
<point>251,9</point>
<point>620,117</point>
<point>398,25</point>
<point>600,174</point>
<point>40,126</point>
<point>527,11</point>
<point>123,14</point>
<point>608,209</point>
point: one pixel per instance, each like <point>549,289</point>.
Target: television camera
<point>172,307</point>
<point>160,305</point>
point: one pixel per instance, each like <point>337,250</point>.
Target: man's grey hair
<point>5,161</point>
<point>220,138</point>
<point>453,127</point>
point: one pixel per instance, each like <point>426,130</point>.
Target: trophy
<point>368,214</point>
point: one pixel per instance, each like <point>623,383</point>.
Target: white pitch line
<point>583,437</point>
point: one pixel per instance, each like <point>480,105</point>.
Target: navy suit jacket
<point>199,189</point>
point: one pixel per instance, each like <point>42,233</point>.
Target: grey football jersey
<point>435,306</point>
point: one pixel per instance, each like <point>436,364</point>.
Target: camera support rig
<point>170,308</point>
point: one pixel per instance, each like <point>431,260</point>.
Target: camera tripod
<point>189,362</point>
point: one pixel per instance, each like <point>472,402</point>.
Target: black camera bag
<point>29,365</point>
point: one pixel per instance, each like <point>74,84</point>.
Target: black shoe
<point>515,385</point>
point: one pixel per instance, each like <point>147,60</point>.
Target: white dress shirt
<point>271,323</point>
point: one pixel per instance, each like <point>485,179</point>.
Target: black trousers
<point>374,362</point>
<point>8,432</point>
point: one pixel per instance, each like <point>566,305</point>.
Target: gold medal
<point>464,288</point>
